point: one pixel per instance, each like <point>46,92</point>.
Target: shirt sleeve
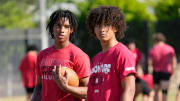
<point>82,65</point>
<point>139,55</point>
<point>21,65</point>
<point>126,65</point>
<point>173,53</point>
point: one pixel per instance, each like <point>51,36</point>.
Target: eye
<point>106,26</point>
<point>57,25</point>
<point>97,25</point>
<point>67,26</point>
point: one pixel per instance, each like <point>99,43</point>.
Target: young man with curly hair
<point>113,69</point>
<point>54,87</point>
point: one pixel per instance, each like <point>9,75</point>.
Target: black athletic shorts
<point>160,76</point>
<point>145,87</point>
<point>29,90</point>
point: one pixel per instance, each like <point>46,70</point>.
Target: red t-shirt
<point>161,56</point>
<point>27,68</point>
<point>70,56</point>
<point>138,56</point>
<point>107,72</point>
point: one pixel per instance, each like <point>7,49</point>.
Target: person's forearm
<point>80,92</point>
<point>128,85</point>
<point>37,93</point>
<point>173,64</point>
<point>128,95</point>
<point>149,61</point>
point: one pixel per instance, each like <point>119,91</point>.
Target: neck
<point>109,44</point>
<point>161,43</point>
<point>132,49</point>
<point>59,45</point>
<point>33,52</point>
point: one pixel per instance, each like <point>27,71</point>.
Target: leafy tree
<point>168,15</point>
<point>14,15</point>
<point>133,9</point>
<point>168,10</point>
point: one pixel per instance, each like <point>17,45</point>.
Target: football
<point>73,79</point>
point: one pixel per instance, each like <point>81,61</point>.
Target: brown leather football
<point>73,79</point>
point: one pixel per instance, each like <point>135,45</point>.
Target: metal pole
<point>9,80</point>
<point>44,37</point>
<point>146,45</point>
<point>26,40</point>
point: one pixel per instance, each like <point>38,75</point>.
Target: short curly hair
<point>159,37</point>
<point>107,15</point>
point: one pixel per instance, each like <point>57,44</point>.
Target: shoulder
<point>76,51</point>
<point>45,51</point>
<point>121,49</point>
<point>96,56</point>
<point>169,46</point>
<point>75,48</point>
<point>138,50</point>
<point>121,52</point>
<point>31,55</point>
<point>153,47</point>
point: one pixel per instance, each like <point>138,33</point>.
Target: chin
<point>103,40</point>
<point>60,40</point>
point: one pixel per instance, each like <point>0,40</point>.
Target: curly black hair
<point>57,15</point>
<point>107,15</point>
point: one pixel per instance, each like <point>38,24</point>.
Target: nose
<point>61,29</point>
<point>102,28</point>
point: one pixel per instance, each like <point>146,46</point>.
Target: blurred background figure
<point>162,57</point>
<point>27,69</point>
<point>144,83</point>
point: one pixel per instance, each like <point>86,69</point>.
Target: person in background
<point>51,86</point>
<point>113,69</point>
<point>27,69</point>
<point>142,86</point>
<point>162,57</point>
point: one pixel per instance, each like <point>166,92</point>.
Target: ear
<point>114,29</point>
<point>71,30</point>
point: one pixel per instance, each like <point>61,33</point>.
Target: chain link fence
<point>13,47</point>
